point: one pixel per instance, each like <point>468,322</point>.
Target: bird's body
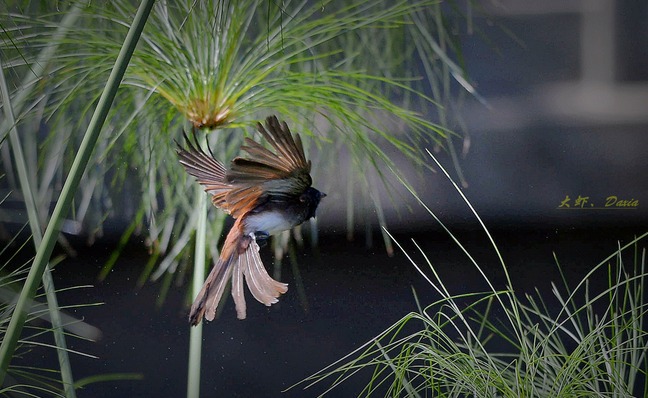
<point>280,214</point>
<point>266,194</point>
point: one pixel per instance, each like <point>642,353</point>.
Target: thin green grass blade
<point>81,383</point>
<point>105,270</point>
<point>299,282</point>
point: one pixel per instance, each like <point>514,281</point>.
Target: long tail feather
<point>256,274</point>
<point>239,260</point>
<point>209,296</point>
<point>265,289</point>
<point>237,291</point>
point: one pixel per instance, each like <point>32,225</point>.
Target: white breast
<point>271,222</point>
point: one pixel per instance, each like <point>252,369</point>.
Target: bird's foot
<point>261,238</point>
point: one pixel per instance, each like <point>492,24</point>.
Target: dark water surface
<point>353,293</point>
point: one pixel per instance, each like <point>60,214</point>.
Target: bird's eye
<point>302,198</point>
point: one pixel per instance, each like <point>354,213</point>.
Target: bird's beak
<point>322,195</point>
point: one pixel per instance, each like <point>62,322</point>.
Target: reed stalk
<point>195,336</point>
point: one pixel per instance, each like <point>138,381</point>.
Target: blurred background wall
<point>566,84</point>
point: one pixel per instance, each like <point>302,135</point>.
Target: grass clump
<point>27,375</point>
<point>498,343</point>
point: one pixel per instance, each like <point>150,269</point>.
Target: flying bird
<point>266,193</point>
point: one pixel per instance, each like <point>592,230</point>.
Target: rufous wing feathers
<point>265,169</point>
<point>209,172</point>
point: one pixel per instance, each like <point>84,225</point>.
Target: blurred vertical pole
<point>597,42</point>
<point>195,336</point>
<point>69,189</point>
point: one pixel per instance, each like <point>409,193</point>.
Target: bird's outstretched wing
<point>209,172</point>
<point>239,260</point>
<point>283,173</point>
<point>249,180</point>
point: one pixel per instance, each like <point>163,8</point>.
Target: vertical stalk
<point>34,223</point>
<point>350,207</point>
<point>195,336</point>
<point>446,95</point>
<point>69,189</point>
<point>373,193</point>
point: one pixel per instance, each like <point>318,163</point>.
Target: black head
<point>312,196</point>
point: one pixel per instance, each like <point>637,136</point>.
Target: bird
<point>266,193</point>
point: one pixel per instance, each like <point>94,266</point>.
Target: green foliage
<point>19,314</point>
<point>344,73</point>
<point>22,378</point>
<point>575,351</point>
<point>594,344</point>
